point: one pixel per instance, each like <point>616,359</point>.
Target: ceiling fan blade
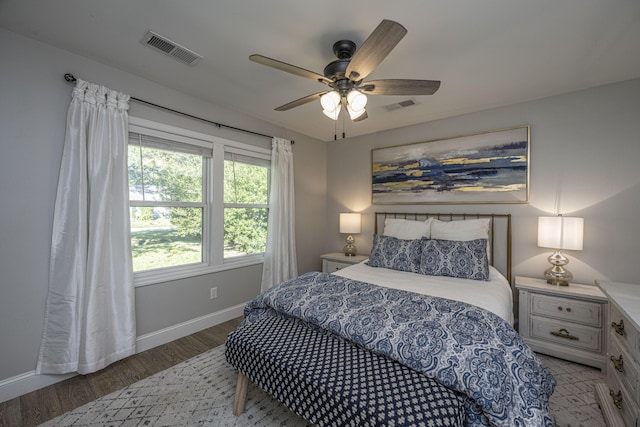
<point>400,87</point>
<point>301,101</point>
<point>283,66</point>
<point>374,49</point>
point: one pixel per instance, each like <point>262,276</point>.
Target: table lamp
<point>350,224</point>
<point>560,232</point>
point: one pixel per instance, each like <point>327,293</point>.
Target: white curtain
<point>89,315</point>
<point>280,257</point>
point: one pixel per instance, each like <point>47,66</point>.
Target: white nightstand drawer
<point>623,329</point>
<point>621,362</point>
<point>585,312</point>
<point>567,334</point>
<point>335,266</point>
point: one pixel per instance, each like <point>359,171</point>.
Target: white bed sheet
<point>494,295</point>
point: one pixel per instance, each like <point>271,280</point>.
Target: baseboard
<point>172,333</point>
<point>30,381</point>
<point>26,383</point>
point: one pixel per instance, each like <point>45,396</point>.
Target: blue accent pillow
<point>396,254</point>
<point>465,260</point>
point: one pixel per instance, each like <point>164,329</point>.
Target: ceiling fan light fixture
<point>346,75</point>
<point>333,115</point>
<point>354,114</point>
<point>330,101</point>
<point>357,100</point>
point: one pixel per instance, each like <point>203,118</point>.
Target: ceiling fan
<point>345,75</point>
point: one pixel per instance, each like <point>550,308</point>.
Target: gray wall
<point>33,105</point>
<point>585,149</point>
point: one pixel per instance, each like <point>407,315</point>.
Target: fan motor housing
<point>343,50</point>
<point>336,69</point>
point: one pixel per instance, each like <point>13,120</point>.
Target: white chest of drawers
<point>619,398</point>
<point>563,321</point>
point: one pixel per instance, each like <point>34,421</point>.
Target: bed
<point>421,333</point>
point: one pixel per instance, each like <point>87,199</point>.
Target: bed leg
<point>241,394</point>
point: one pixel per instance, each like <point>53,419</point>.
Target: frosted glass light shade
<point>356,100</point>
<point>355,114</point>
<point>350,223</point>
<point>330,100</point>
<point>560,232</point>
<point>333,114</point>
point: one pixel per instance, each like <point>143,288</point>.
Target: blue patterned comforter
<point>464,347</point>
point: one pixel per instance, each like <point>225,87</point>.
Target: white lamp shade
<point>350,223</point>
<point>356,100</point>
<point>355,114</point>
<point>330,101</point>
<point>560,232</point>
<point>333,114</point>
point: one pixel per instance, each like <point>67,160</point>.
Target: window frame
<point>266,162</point>
<point>213,199</point>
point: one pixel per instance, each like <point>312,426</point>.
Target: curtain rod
<point>71,78</point>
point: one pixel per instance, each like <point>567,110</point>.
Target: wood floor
<point>42,405</point>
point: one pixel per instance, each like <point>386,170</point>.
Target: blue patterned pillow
<point>396,254</point>
<point>465,260</point>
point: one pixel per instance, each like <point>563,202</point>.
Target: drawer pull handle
<point>617,363</point>
<point>617,398</point>
<point>568,309</point>
<point>618,327</point>
<point>563,333</point>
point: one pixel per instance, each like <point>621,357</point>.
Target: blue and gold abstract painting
<point>489,167</point>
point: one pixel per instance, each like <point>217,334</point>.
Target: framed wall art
<point>487,167</point>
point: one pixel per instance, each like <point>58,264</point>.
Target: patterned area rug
<point>200,392</point>
<point>573,403</point>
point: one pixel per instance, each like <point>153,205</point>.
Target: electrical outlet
<point>214,293</point>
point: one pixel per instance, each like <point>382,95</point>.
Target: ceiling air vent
<point>170,48</point>
<point>399,105</point>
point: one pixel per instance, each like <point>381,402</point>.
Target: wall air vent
<point>399,105</point>
<point>170,48</point>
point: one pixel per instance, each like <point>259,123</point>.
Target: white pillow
<point>407,229</point>
<point>462,231</point>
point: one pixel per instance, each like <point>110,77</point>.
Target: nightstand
<point>337,261</point>
<point>563,321</point>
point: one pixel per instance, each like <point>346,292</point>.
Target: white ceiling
<point>487,53</point>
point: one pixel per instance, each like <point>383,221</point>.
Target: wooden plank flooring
<point>42,405</point>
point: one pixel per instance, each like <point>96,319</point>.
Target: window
<point>198,203</point>
<point>167,207</point>
<point>246,203</point>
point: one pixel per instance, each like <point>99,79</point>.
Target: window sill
<point>175,273</point>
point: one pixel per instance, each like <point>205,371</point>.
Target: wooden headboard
<point>499,232</point>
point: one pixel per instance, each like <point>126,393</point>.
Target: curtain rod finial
<point>69,77</point>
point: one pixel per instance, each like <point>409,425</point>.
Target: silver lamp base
<point>350,248</point>
<point>557,274</point>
